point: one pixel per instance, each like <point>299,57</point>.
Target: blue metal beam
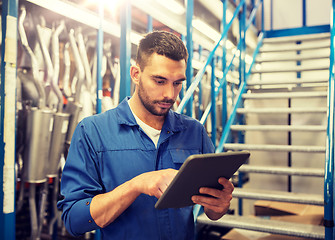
<point>100,42</point>
<point>149,24</point>
<point>213,101</point>
<point>201,72</point>
<point>189,45</point>
<point>7,120</point>
<point>125,50</point>
<point>297,31</point>
<point>329,160</point>
<point>224,65</point>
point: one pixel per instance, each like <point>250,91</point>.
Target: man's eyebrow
<point>164,78</point>
<point>159,77</point>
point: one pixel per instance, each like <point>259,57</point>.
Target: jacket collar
<point>173,121</point>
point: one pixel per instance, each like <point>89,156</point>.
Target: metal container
<point>37,143</point>
<point>59,131</point>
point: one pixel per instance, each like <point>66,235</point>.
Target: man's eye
<point>160,82</point>
<point>177,83</point>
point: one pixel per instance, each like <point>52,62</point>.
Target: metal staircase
<point>287,95</point>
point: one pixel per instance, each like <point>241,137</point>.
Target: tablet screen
<point>201,170</point>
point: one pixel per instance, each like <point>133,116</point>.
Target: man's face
<point>160,83</point>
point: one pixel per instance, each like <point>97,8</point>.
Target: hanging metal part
<point>51,78</point>
<point>38,135</point>
<point>55,62</point>
<point>66,77</point>
<point>84,58</point>
<point>33,211</point>
<point>79,66</point>
<point>60,128</point>
<point>33,59</point>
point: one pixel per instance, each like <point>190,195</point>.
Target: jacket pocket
<point>179,156</point>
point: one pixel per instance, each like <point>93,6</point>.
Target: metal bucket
<point>60,128</point>
<point>37,143</point>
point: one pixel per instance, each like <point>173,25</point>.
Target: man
<point>121,161</point>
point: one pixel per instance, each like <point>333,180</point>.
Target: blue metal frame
<point>7,218</point>
<point>297,31</point>
<point>100,43</point>
<point>200,74</point>
<point>149,24</point>
<point>125,50</point>
<point>189,45</point>
<point>304,16</point>
<point>224,65</point>
<point>213,100</point>
<point>329,160</point>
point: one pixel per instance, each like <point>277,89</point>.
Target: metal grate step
<point>306,172</point>
<point>285,58</point>
<point>282,110</point>
<point>309,37</point>
<point>264,225</point>
<point>279,148</point>
<point>290,69</point>
<point>286,81</point>
<point>279,196</point>
<point>314,128</point>
<point>284,95</point>
<point>296,47</point>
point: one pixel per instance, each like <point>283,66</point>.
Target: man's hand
<point>217,205</point>
<point>155,183</point>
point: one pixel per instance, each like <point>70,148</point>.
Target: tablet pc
<point>201,170</point>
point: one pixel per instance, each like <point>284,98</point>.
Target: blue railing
<point>329,161</point>
<point>211,107</point>
<point>215,90</point>
<point>329,198</point>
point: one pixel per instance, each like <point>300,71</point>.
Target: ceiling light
<point>206,29</point>
<point>173,6</point>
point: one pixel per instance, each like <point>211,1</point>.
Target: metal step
<point>285,95</point>
<point>290,58</point>
<point>296,47</point>
<point>295,38</point>
<point>279,148</point>
<point>282,110</point>
<point>290,69</point>
<point>268,226</point>
<point>279,196</point>
<point>291,128</point>
<point>286,81</point>
<point>290,171</point>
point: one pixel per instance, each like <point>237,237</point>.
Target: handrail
<point>239,98</point>
<point>329,160</point>
<point>200,74</point>
<point>221,81</point>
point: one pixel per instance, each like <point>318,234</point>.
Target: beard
<point>151,105</point>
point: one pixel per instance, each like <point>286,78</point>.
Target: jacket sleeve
<point>79,184</point>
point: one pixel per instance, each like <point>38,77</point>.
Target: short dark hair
<point>162,43</point>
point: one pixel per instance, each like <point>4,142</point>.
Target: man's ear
<point>135,73</point>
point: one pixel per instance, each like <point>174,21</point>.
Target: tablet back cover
<point>201,170</point>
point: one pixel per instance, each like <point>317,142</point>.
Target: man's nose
<point>169,91</point>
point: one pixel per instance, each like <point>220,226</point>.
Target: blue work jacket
<point>109,149</point>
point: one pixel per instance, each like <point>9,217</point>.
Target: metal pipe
<point>33,59</point>
<point>55,60</point>
<point>79,66</point>
<point>67,69</point>
<point>33,211</point>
